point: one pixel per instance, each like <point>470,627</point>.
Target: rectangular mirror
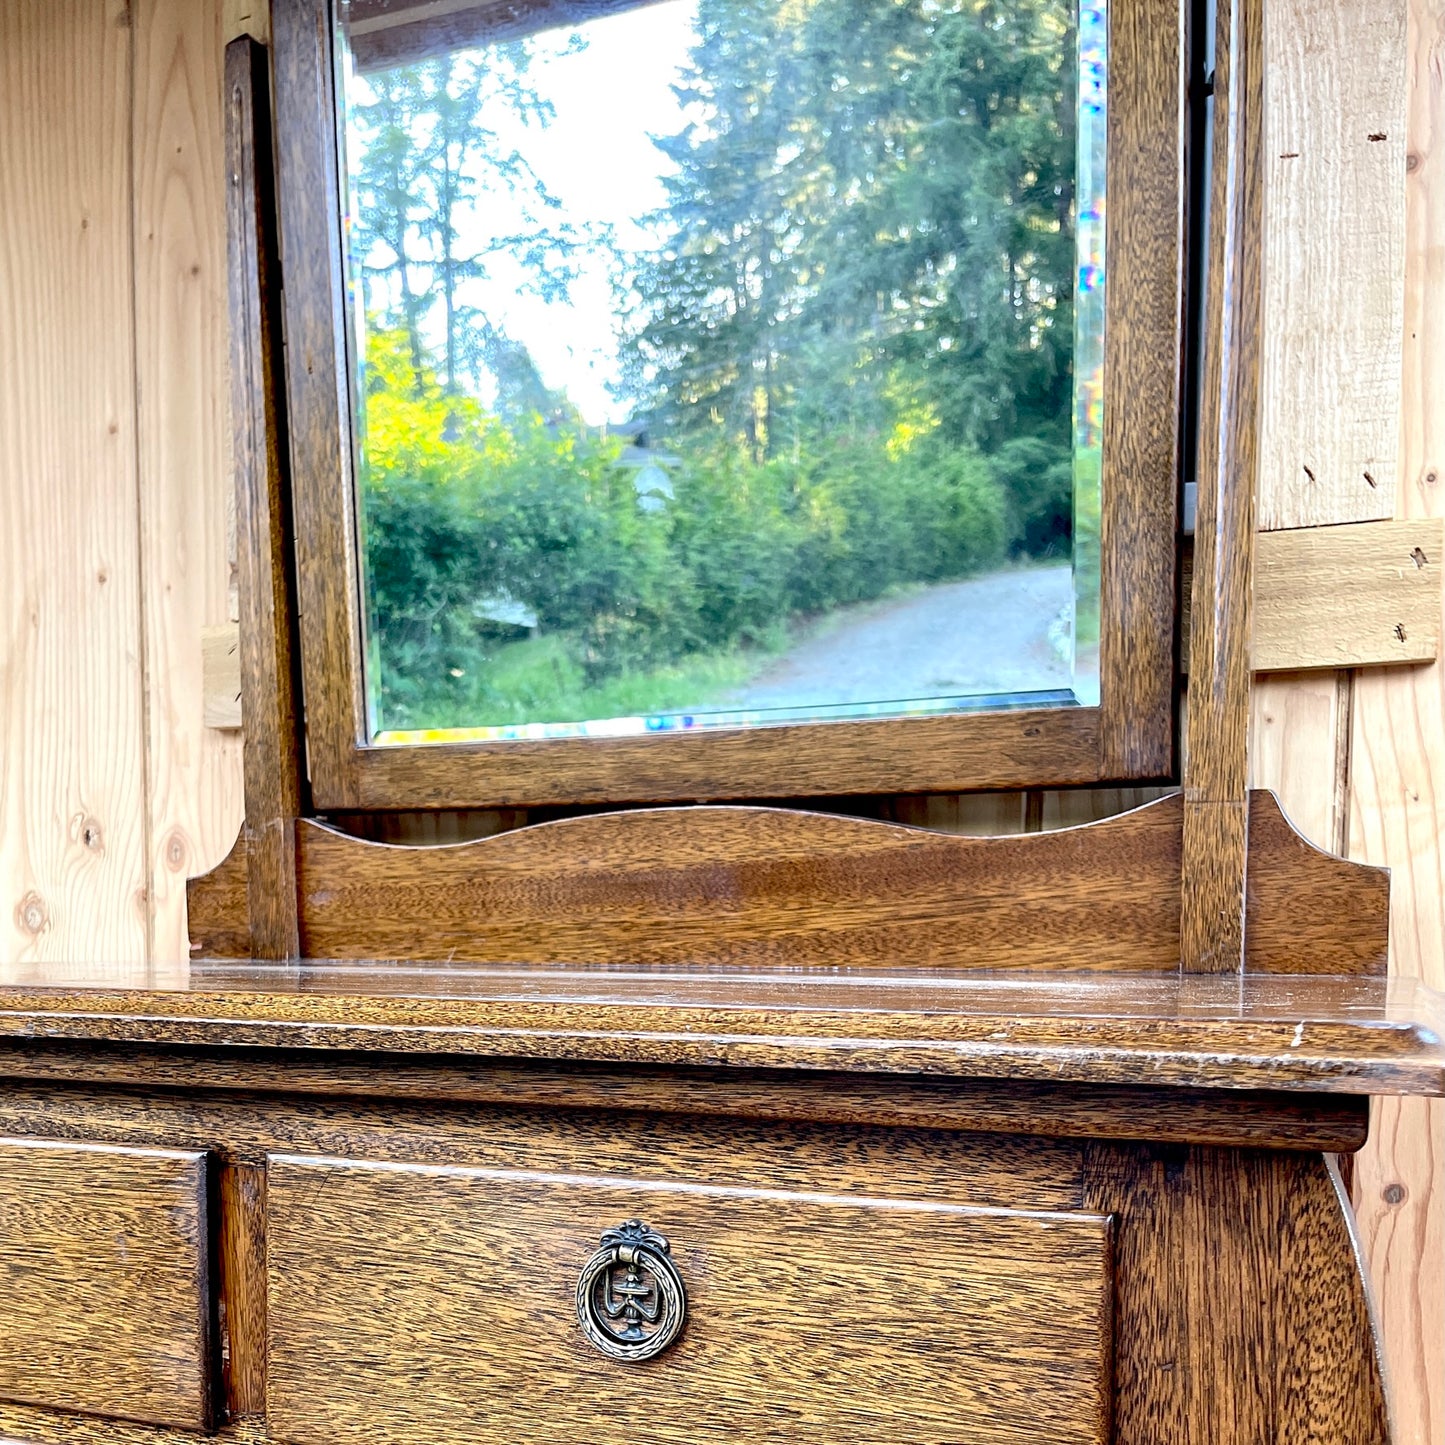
<point>705,398</point>
<point>720,363</point>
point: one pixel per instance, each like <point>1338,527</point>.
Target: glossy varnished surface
<point>783,887</point>
<point>104,1292</point>
<point>404,1299</point>
<point>1130,735</point>
<point>1311,1033</point>
<point>1241,1312</point>
<point>1336,1123</point>
<point>1217,817</point>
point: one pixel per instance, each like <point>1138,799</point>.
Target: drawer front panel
<point>104,1300</point>
<point>411,1305</point>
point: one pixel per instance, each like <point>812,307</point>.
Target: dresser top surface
<point>1360,1035</point>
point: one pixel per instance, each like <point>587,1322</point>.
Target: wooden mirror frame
<point>1129,736</point>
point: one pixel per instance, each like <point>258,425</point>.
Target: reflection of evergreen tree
<point>428,153</point>
<point>872,218</point>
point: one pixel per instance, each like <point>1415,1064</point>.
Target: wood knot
<point>31,914</point>
<point>1395,1194</point>
<point>85,829</point>
<point>175,852</point>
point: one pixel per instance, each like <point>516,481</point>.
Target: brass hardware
<point>631,1301</point>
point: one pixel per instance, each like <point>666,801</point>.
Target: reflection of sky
<point>597,158</point>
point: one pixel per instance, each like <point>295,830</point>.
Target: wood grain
<point>1299,748</point>
<point>1334,251</point>
<point>1216,817</point>
<point>270,686</point>
<point>1234,1117</point>
<point>192,776</point>
<point>1397,800</point>
<point>1242,1314</point>
<point>756,886</point>
<point>246,17</point>
<point>1356,596</point>
<point>1132,735</point>
<point>752,885</point>
<point>104,1293</point>
<point>810,1316</point>
<point>1332,1035</point>
<point>986,1170</point>
<point>73,848</point>
<point>317,404</point>
<point>219,916</point>
<point>242,1240</point>
<point>1143,351</point>
<point>221,676</point>
<point>24,1425</point>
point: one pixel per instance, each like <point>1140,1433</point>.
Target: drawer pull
<point>630,1298</point>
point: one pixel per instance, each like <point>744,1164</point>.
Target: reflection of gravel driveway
<point>988,634</point>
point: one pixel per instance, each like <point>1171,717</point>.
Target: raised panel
<point>104,1296</point>
<point>411,1304</point>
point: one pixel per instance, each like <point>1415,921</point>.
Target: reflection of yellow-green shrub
<point>469,518</point>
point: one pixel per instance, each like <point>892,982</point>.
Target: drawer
<point>104,1300</point>
<point>411,1305</point>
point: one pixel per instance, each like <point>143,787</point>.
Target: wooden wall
<point>113,472</point>
<point>114,506</point>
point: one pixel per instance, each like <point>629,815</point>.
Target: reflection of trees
<point>856,339</point>
<point>426,150</point>
<point>871,226</point>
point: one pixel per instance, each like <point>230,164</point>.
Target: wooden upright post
<point>1216,806</point>
<point>275,784</point>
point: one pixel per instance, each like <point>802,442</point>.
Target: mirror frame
<point>1130,736</point>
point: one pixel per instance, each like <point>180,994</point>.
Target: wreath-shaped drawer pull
<point>631,1301</point>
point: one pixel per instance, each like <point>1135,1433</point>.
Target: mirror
<point>720,363</point>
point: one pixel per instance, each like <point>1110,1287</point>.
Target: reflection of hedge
<point>460,508</point>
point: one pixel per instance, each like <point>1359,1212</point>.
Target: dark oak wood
<point>270,690</point>
<point>218,908</point>
<point>1143,367</point>
<point>1302,903</point>
<point>1129,736</point>
<point>811,1316</point>
<point>759,887</point>
<point>1335,1123</point>
<point>243,1285</point>
<point>1242,1311</point>
<point>1216,778</point>
<point>1330,1035</point>
<point>996,1171</point>
<point>317,386</point>
<point>104,1286</point>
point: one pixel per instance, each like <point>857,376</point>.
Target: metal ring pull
<point>631,1301</point>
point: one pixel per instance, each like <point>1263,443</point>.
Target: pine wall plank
<point>1397,802</point>
<point>195,796</point>
<point>1334,253</point>
<point>72,738</point>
